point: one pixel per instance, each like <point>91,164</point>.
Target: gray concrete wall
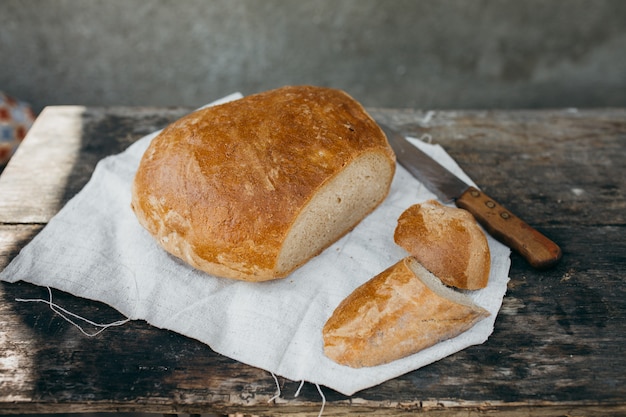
<point>429,54</point>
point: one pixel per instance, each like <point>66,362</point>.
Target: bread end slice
<point>399,312</point>
<point>448,242</point>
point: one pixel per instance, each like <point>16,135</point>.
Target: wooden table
<point>558,347</point>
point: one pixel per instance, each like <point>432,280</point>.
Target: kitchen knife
<point>509,229</point>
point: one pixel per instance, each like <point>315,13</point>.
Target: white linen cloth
<point>95,248</point>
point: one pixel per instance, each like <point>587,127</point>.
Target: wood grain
<point>61,152</point>
<point>558,343</point>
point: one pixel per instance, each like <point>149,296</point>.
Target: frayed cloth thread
<point>279,393</point>
<point>66,314</point>
<point>299,388</point>
<point>427,118</point>
<point>426,138</point>
<point>319,389</point>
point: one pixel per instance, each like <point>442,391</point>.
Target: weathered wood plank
<point>14,237</point>
<point>552,167</point>
<point>33,182</point>
<point>60,153</point>
<point>557,346</point>
<point>510,154</point>
<point>547,348</point>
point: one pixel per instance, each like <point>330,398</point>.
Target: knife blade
<point>537,249</point>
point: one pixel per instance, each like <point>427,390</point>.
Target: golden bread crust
<point>395,314</point>
<point>221,187</point>
<point>448,242</point>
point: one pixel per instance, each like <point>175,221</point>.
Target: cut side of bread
<point>254,188</point>
<point>448,242</point>
<point>399,312</point>
<point>335,209</point>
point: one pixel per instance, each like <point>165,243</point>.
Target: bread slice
<point>254,188</point>
<point>448,242</point>
<point>401,311</point>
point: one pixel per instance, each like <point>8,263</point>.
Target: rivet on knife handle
<point>537,249</point>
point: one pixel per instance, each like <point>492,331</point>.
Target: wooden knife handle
<point>509,229</point>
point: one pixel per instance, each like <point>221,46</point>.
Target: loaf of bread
<point>254,188</point>
<point>401,311</point>
<point>448,242</point>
